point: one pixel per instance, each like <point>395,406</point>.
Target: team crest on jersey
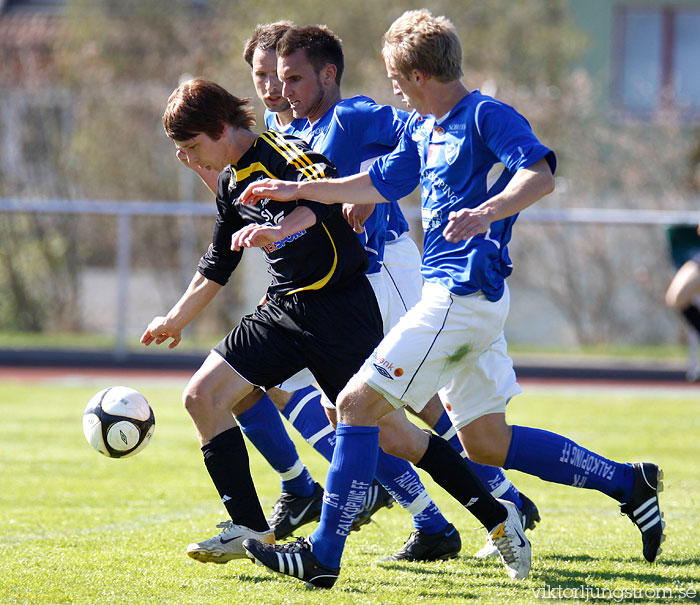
<point>451,152</point>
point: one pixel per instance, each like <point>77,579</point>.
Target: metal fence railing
<point>125,211</point>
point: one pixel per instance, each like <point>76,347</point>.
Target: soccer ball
<point>118,422</point>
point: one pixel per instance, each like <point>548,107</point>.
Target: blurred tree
<point>119,60</point>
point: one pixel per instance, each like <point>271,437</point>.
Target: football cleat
<point>228,544</point>
<point>513,547</point>
<point>529,512</point>
<point>643,507</point>
<point>530,516</point>
<point>429,547</point>
<point>291,512</point>
<point>293,559</point>
<point>377,497</point>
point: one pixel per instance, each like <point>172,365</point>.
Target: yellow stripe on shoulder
<point>324,280</point>
<point>294,154</point>
<point>244,173</point>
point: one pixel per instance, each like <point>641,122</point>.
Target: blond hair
<point>417,40</point>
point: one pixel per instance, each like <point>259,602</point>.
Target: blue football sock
<point>305,412</point>
<point>401,480</point>
<point>263,427</point>
<point>557,459</point>
<point>349,475</point>
<point>494,477</point>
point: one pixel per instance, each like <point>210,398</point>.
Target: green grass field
<point>80,528</point>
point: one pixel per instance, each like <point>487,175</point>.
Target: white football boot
<point>530,517</point>
<point>513,547</point>
<point>228,544</point>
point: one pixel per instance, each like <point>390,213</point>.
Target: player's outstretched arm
<point>526,187</point>
<point>198,295</point>
<point>355,189</point>
<point>255,236</point>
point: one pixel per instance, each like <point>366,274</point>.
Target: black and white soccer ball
<point>118,422</point>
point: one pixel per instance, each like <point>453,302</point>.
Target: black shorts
<point>330,332</point>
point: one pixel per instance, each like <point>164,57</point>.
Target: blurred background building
<point>101,227</point>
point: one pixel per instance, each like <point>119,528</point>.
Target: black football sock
<point>692,314</point>
<point>226,459</point>
<point>451,472</point>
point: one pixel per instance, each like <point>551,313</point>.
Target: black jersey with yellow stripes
<point>326,255</point>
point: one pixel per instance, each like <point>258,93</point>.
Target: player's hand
<point>182,156</point>
<point>255,236</point>
<point>464,224</point>
<point>357,214</point>
<point>282,191</point>
<point>209,175</point>
<point>159,330</point>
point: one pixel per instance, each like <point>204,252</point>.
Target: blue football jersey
<point>293,127</point>
<point>460,161</point>
<point>352,134</point>
<point>397,223</point>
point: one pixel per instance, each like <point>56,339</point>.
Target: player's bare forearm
<point>255,236</point>
<point>301,218</point>
<point>526,187</point>
<point>355,189</point>
<point>198,295</point>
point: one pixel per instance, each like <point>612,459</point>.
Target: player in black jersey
<point>320,311</point>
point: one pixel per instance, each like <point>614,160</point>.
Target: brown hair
<point>265,37</point>
<point>203,107</point>
<point>417,40</point>
<point>321,45</point>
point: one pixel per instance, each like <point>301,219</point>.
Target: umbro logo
<point>383,371</point>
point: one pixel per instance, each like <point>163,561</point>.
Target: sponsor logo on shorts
<point>448,407</point>
<point>385,367</point>
<point>383,371</point>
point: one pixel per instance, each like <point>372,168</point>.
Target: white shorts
<point>449,344</point>
<point>300,380</point>
<point>397,288</point>
<point>402,262</point>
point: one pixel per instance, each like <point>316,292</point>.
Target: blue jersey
<point>352,134</point>
<point>460,162</point>
<point>397,223</point>
<point>293,127</point>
